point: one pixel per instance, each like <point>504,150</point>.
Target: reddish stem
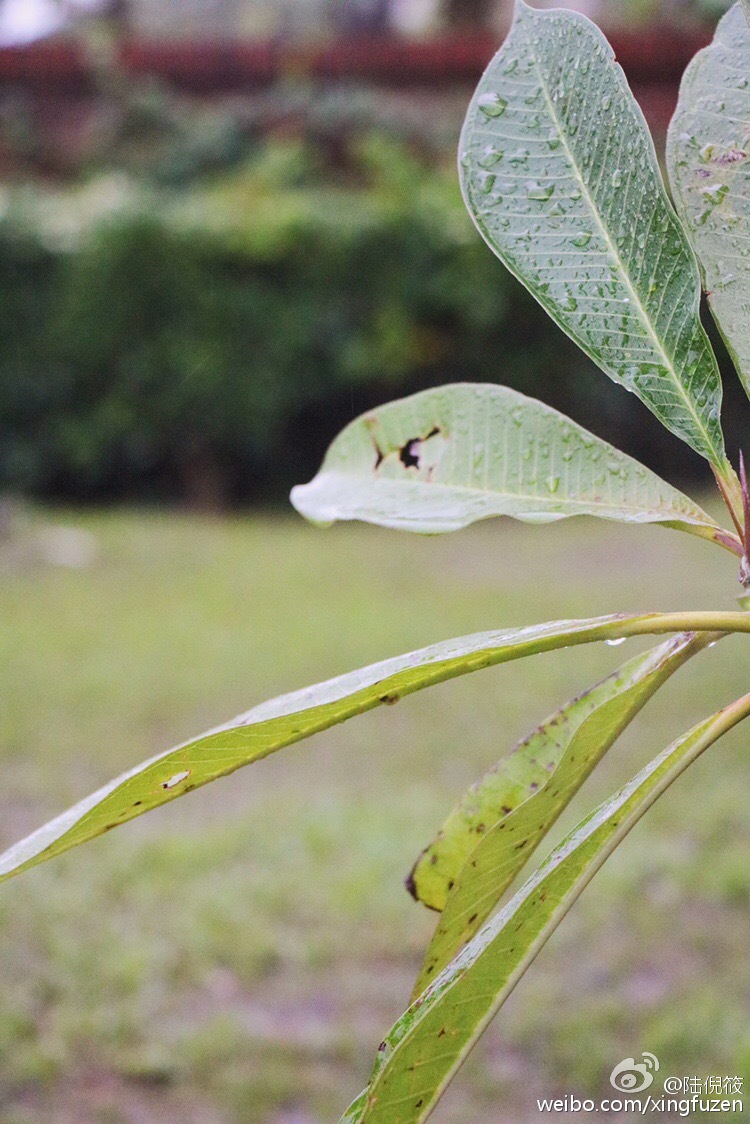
<point>721,485</point>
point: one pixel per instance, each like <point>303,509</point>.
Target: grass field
<point>238,955</point>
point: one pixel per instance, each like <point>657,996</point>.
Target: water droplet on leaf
<point>492,105</point>
<point>490,156</point>
<point>536,190</point>
<point>715,193</point>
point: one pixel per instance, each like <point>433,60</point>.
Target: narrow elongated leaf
<point>708,155</point>
<point>488,838</point>
<point>429,1042</point>
<point>560,176</point>
<point>530,772</point>
<point>293,717</point>
<point>444,458</point>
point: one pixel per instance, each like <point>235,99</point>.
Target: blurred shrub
<point>207,345</point>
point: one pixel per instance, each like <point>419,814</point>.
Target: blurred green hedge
<point>206,345</point>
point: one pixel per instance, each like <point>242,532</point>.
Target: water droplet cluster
<point>709,161</point>
<point>561,177</point>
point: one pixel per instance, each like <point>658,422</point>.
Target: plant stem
<point>731,491</point>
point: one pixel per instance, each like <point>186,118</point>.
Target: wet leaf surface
<point>444,458</point>
<point>560,176</point>
<point>708,154</point>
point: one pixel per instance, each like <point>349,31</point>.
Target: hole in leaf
<point>176,779</point>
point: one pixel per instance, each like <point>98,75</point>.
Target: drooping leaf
<point>444,458</point>
<point>429,1042</point>
<point>708,155</point>
<point>560,176</point>
<point>489,837</point>
<point>528,774</point>
<point>293,717</point>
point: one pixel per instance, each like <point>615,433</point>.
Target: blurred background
<point>226,228</point>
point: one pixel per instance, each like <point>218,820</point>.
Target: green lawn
<point>238,955</point>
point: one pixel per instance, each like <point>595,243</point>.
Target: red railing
<point>653,60</point>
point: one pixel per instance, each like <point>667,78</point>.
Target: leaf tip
<point>302,499</point>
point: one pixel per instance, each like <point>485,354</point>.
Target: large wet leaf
<point>427,1045</point>
<point>444,458</point>
<point>488,838</point>
<point>293,717</point>
<point>708,155</point>
<point>560,176</point>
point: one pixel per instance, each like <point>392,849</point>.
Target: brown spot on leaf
<point>731,156</point>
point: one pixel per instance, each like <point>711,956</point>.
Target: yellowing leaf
<point>426,1046</point>
<point>489,837</point>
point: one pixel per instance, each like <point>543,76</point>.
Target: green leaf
<point>560,176</point>
<point>431,1039</point>
<point>293,717</point>
<point>489,837</point>
<point>708,155</point>
<point>444,458</point>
